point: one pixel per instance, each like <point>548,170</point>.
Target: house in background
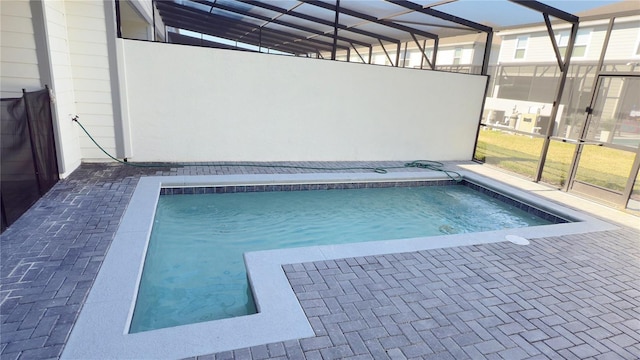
<point>462,53</point>
<point>522,88</point>
<point>596,116</point>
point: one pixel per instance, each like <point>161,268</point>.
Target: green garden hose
<point>421,164</point>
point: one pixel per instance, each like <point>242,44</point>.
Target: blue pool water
<point>194,269</point>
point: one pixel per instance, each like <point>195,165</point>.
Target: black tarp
<point>28,158</point>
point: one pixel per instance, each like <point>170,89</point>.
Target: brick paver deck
<point>573,297</point>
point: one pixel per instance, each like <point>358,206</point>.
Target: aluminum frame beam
<point>335,32</point>
<point>546,9</point>
<point>585,128</point>
<point>318,20</point>
<point>269,20</point>
<point>441,15</point>
<point>556,103</point>
<point>487,53</point>
<point>424,54</point>
<point>455,19</point>
<point>372,19</point>
<point>277,21</point>
<point>217,24</point>
<point>235,31</point>
<point>254,40</point>
<point>554,43</point>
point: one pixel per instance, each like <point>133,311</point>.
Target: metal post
<point>628,189</point>
<point>424,54</point>
<point>554,43</point>
<point>118,19</point>
<point>404,63</point>
<point>487,53</point>
<point>385,52</point>
<point>423,50</point>
<point>556,103</point>
<point>335,32</point>
<point>357,52</point>
<point>484,100</point>
<point>398,49</point>
<point>585,128</point>
<point>435,53</point>
<point>153,20</point>
<point>370,53</point>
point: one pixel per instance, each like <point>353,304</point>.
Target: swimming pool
<point>194,270</point>
<point>106,315</point>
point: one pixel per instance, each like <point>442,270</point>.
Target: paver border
<point>101,328</point>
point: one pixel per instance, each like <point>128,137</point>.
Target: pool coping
<point>101,329</point>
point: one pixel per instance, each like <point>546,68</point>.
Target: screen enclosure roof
<point>314,27</point>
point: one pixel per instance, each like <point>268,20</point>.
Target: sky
<point>506,13</point>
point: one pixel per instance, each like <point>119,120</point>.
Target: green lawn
<point>600,166</point>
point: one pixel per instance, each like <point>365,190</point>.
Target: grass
<point>600,166</point>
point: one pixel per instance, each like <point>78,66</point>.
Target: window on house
<point>419,59</point>
<point>521,47</point>
<point>457,55</point>
<point>579,48</point>
<point>405,57</point>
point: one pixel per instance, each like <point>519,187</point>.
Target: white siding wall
<point>91,75</point>
<point>446,55</point>
<point>594,49</point>
<point>234,106</point>
<point>624,39</point>
<point>62,83</point>
<point>133,25</point>
<point>18,58</point>
<point>18,67</point>
<point>507,49</point>
<point>539,49</point>
<point>144,8</point>
<point>141,28</point>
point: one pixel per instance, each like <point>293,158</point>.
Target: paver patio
<point>573,297</point>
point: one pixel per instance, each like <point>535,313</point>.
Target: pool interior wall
<point>194,269</point>
<point>105,318</point>
<point>192,190</point>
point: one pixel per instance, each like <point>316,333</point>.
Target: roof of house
<point>624,7</point>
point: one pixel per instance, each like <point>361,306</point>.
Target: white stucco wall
<point>199,104</point>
